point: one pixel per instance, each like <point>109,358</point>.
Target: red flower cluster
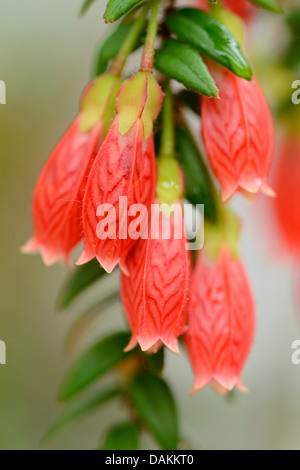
<point>108,153</point>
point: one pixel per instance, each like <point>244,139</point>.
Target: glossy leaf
<point>156,407</point>
<point>183,63</point>
<point>86,5</point>
<point>122,437</point>
<point>199,185</point>
<point>272,5</point>
<point>207,34</point>
<point>116,8</point>
<point>78,281</point>
<point>94,363</point>
<point>78,410</point>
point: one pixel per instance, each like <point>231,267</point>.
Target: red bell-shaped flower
<point>238,135</point>
<point>57,202</point>
<point>124,171</point>
<point>155,290</point>
<point>221,322</point>
<point>287,201</point>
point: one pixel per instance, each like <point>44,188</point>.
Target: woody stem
<point>148,54</point>
<point>129,43</point>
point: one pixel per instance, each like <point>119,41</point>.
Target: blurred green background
<point>46,57</point>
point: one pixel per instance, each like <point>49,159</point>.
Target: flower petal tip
<point>131,345</point>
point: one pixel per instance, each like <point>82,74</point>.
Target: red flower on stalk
<point>58,195</point>
<point>287,201</point>
<point>221,322</point>
<point>155,291</point>
<point>124,167</point>
<point>238,135</point>
<point>241,8</point>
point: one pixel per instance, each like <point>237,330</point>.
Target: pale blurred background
<point>46,57</point>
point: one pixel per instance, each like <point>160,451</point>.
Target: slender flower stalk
<point>167,148</point>
<point>148,54</point>
<point>129,43</point>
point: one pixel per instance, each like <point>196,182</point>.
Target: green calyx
<point>226,232</point>
<point>169,183</point>
<point>98,102</point>
<point>140,97</point>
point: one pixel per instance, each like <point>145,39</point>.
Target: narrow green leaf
<point>122,437</point>
<point>210,36</point>
<point>110,48</point>
<point>87,318</point>
<point>78,281</point>
<point>156,407</point>
<point>183,63</point>
<point>272,5</point>
<point>117,8</point>
<point>86,5</point>
<point>78,410</point>
<point>94,363</point>
<point>200,188</point>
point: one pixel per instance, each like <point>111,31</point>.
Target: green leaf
<point>86,5</point>
<point>292,57</point>
<point>117,8</point>
<point>77,410</point>
<point>156,407</point>
<point>183,63</point>
<point>122,437</point>
<point>110,48</point>
<point>85,320</point>
<point>78,281</point>
<point>210,36</point>
<point>94,363</point>
<point>155,362</point>
<point>293,21</point>
<point>272,5</point>
<point>200,188</point>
